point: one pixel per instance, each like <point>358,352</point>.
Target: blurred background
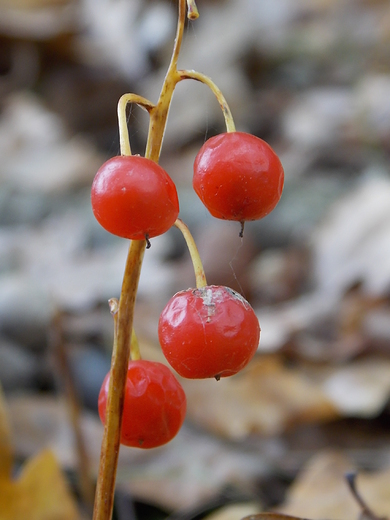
<point>312,78</point>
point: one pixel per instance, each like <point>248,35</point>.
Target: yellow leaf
<point>40,492</point>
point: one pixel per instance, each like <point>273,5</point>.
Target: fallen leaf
<point>41,422</point>
<point>267,397</point>
<point>361,388</point>
<point>191,469</point>
<point>352,243</point>
<point>321,490</point>
<point>40,492</point>
<point>374,489</point>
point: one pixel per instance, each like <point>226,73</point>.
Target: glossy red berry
<point>154,406</point>
<point>208,332</point>
<point>238,177</point>
<point>133,197</point>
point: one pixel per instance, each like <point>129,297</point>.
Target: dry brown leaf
<point>374,488</point>
<point>321,491</point>
<point>266,398</point>
<point>359,389</point>
<point>191,469</point>
<point>352,243</point>
<point>40,421</point>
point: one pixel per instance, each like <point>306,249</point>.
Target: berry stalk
<point>202,78</point>
<point>192,10</point>
<point>144,103</point>
<point>200,276</point>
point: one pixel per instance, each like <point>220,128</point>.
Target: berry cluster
<point>236,175</point>
<point>204,332</point>
<point>210,331</point>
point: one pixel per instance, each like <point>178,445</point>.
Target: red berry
<point>238,177</point>
<point>208,332</point>
<point>133,197</point>
<point>154,406</point>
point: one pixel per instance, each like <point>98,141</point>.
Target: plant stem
<point>198,76</point>
<point>200,276</point>
<point>122,119</point>
<point>192,12</point>
<point>159,114</point>
<point>134,347</point>
<point>104,497</point>
<point>124,338</point>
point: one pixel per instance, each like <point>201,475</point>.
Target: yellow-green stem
<point>124,340</point>
<point>200,276</point>
<point>124,140</point>
<point>159,114</point>
<point>198,76</point>
<point>134,347</point>
<point>104,497</point>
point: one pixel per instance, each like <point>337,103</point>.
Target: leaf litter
<point>323,363</point>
